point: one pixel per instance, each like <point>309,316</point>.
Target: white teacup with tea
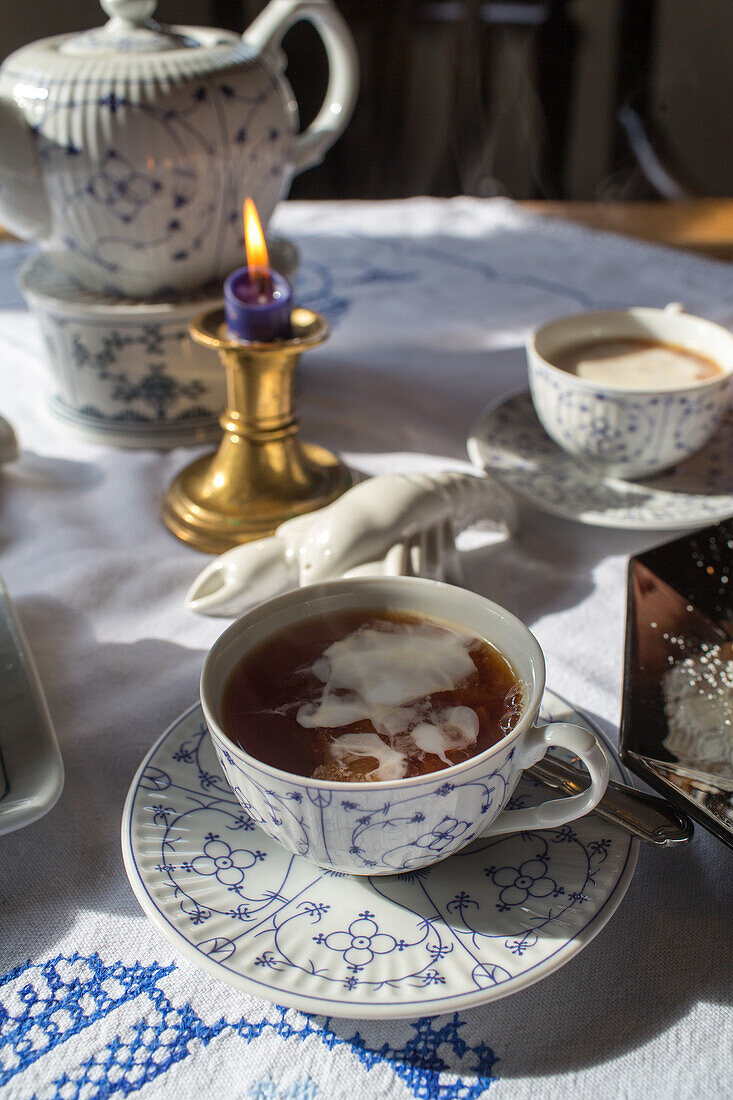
<point>376,725</point>
<point>631,392</point>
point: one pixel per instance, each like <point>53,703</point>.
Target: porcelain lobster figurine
<point>392,524</point>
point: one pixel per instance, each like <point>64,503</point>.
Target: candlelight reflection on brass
<point>262,473</point>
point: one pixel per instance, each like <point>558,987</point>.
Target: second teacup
<point>615,430</point>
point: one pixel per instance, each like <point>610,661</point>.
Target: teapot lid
<point>131,30</point>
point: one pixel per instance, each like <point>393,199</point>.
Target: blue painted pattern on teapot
<point>129,149</point>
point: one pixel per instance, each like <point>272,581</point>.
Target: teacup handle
<point>265,34</point>
<point>558,811</point>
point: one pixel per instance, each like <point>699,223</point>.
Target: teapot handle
<point>266,32</point>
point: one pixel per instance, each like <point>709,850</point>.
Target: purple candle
<point>260,309</point>
<point>257,300</point>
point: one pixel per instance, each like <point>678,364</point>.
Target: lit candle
<point>257,300</point>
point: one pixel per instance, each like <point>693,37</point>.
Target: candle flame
<point>258,262</point>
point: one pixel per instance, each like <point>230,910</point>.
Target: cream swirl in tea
<point>370,695</point>
<point>387,677</point>
<point>636,364</point>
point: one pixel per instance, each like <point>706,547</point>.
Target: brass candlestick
<point>262,473</point>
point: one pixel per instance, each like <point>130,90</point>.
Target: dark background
<point>565,99</point>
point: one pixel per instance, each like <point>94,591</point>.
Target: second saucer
<point>509,443</point>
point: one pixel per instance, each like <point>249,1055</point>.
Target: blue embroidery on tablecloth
<point>321,281</point>
<point>42,1005</point>
<point>320,286</point>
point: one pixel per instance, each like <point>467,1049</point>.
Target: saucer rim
<point>195,432</point>
<point>474,446</point>
<point>324,1007</point>
<point>78,301</point>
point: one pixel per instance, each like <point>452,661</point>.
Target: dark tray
<point>680,587</point>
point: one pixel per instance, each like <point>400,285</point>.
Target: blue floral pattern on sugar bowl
<point>128,150</point>
<point>122,371</point>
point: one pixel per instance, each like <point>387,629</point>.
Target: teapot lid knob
<point>131,11</point>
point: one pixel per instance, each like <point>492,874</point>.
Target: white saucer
<point>510,444</point>
<point>485,923</point>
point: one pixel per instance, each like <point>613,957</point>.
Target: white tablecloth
<point>431,301</point>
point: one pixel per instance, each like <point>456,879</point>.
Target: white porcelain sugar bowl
<point>128,149</point>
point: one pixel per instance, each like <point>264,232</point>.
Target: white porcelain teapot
<point>127,150</point>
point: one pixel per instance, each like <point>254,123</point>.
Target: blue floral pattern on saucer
<point>510,444</point>
<point>486,922</point>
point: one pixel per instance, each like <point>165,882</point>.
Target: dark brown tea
<point>369,695</point>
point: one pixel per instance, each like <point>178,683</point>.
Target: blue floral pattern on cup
<point>625,436</point>
<point>383,832</point>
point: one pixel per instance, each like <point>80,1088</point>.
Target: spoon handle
<point>644,815</point>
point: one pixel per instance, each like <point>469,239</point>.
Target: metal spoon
<point>644,815</point>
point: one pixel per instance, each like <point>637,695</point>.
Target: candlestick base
<point>215,517</point>
<point>262,474</point>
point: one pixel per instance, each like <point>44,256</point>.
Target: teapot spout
<point>24,208</point>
